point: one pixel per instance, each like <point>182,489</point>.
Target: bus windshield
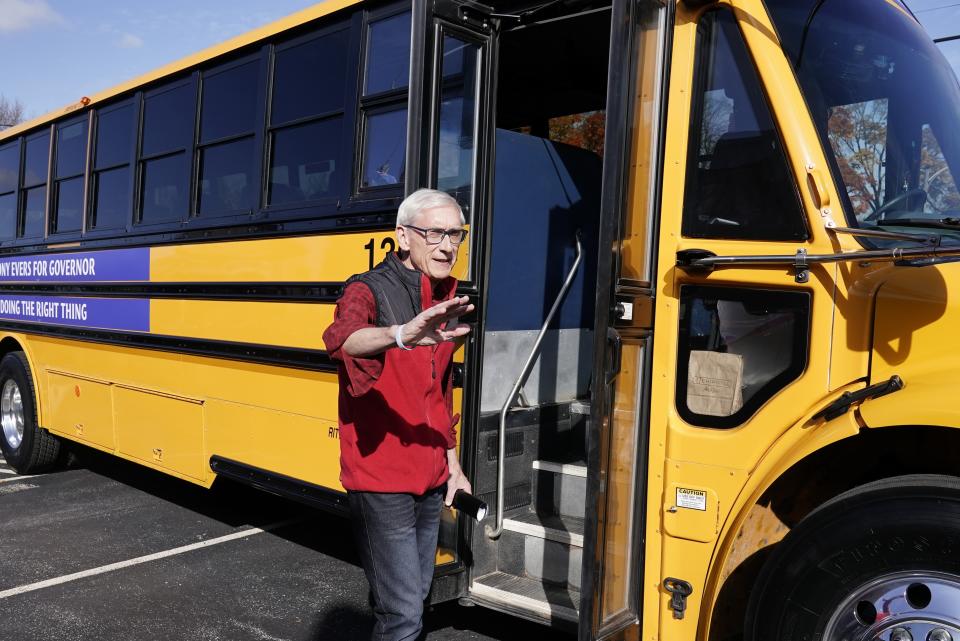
<point>886,105</point>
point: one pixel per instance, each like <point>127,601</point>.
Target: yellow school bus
<point>708,394</point>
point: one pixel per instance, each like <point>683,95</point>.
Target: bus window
<point>307,120</point>
<point>858,134</point>
<point>227,144</point>
<point>165,156</point>
<point>385,148</point>
<point>111,167</point>
<point>383,105</point>
<point>323,61</point>
<point>457,141</point>
<point>737,349</point>
<point>33,196</point>
<point>304,162</point>
<point>888,121</point>
<point>9,177</point>
<point>388,54</point>
<point>68,184</point>
<point>738,182</point>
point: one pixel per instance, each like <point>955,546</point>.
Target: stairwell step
<point>512,593</point>
<point>562,529</point>
<point>561,487</point>
<point>552,562</point>
<point>571,469</point>
<point>581,408</point>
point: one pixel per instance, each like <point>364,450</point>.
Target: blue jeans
<point>396,536</point>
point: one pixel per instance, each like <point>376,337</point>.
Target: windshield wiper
<point>948,222</point>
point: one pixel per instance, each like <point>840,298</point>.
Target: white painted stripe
<point>527,603</point>
<point>4,470</point>
<point>561,468</point>
<point>140,559</point>
<point>560,536</point>
<point>14,479</point>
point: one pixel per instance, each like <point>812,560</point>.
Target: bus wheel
<point>880,562</point>
<point>26,447</point>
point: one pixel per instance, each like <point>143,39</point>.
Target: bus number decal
<point>388,244</point>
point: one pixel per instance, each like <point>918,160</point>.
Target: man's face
<point>437,260</point>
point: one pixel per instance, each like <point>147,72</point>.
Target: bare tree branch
<point>11,112</point>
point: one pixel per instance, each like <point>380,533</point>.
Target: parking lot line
<point>11,479</point>
<point>103,569</point>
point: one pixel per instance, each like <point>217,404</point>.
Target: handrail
<point>494,533</point>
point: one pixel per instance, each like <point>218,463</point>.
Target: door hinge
<point>840,406</point>
<point>679,591</point>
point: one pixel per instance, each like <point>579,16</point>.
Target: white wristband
<point>400,340</point>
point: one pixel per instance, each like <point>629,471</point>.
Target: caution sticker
<point>692,499</point>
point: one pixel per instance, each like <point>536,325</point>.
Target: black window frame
<point>56,179</point>
<point>18,143</point>
<point>703,53</point>
<point>800,357</point>
<point>258,133</point>
<point>376,103</point>
<point>328,205</point>
<point>50,132</point>
<point>192,80</point>
<point>89,231</point>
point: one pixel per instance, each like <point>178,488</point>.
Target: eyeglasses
<point>435,236</point>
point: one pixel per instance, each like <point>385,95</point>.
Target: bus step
<point>552,547</point>
<point>552,527</point>
<point>526,597</point>
<point>561,487</point>
<point>580,408</point>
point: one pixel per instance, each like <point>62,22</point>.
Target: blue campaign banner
<point>131,314</point>
<point>110,265</point>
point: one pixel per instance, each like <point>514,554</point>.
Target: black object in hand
<point>469,504</point>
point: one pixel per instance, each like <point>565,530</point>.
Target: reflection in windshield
<point>885,102</point>
<point>858,138</point>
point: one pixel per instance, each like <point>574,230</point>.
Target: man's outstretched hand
<point>428,327</point>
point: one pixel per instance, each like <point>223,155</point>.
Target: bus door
<point>542,104</point>
<point>616,462</point>
<point>449,149</point>
<point>742,348</point>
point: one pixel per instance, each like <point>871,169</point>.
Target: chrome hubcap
<point>906,606</point>
<point>11,413</point>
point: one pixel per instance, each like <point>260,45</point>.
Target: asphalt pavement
<point>106,550</point>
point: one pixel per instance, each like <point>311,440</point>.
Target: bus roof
<point>261,33</point>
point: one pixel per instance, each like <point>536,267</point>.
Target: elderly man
<point>394,334</point>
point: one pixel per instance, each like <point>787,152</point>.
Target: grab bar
<point>494,533</point>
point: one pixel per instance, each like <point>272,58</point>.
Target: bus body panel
<point>727,463</point>
<point>915,338</point>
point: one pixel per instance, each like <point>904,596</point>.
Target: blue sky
<point>940,17</point>
<point>56,51</point>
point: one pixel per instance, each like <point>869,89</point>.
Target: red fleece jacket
<point>395,408</point>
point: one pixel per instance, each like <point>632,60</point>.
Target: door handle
<point>615,344</point>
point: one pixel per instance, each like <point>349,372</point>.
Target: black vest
<point>396,291</point>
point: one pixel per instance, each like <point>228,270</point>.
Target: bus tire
<point>26,447</point>
<point>881,556</point>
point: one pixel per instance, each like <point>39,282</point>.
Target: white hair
<point>422,200</point>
